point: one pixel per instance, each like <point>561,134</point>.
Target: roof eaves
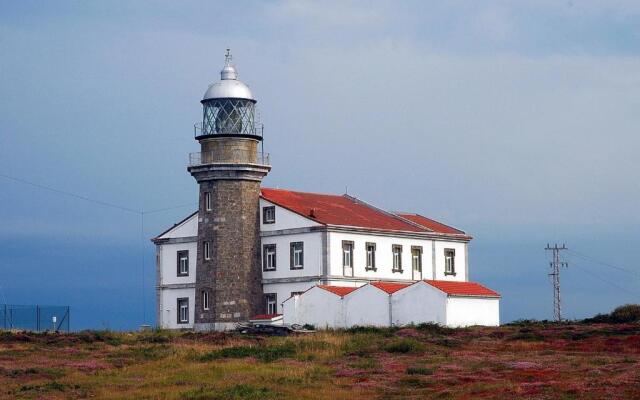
<point>157,238</point>
<point>380,210</point>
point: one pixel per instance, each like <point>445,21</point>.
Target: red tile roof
<point>339,290</point>
<point>265,316</point>
<point>430,224</point>
<point>463,288</point>
<point>390,287</point>
<point>344,210</point>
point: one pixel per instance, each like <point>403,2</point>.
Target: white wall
<point>285,219</point>
<point>316,307</point>
<point>283,290</point>
<point>468,311</point>
<point>312,253</point>
<point>185,229</point>
<point>419,303</point>
<point>460,261</point>
<point>169,308</point>
<point>367,306</point>
<point>169,259</point>
<point>384,256</point>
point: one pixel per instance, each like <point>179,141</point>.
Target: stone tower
<point>228,169</point>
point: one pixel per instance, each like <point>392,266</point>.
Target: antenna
<point>228,57</point>
<point>555,265</point>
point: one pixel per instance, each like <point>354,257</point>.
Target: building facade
<point>249,249</point>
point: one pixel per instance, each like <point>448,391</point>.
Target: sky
<point>517,122</point>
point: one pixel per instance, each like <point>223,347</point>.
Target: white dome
<point>228,86</point>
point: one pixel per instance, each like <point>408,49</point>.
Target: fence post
<point>37,318</point>
<point>5,317</point>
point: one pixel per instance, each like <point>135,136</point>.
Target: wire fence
<point>35,317</point>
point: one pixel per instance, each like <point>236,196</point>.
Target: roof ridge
<point>434,220</point>
<point>301,191</point>
<point>389,213</point>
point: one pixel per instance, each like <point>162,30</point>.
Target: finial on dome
<point>228,71</point>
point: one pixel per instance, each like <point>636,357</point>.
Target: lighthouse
<point>229,169</point>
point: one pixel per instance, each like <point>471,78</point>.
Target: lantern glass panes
<point>229,117</point>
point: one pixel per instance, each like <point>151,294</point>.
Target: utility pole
<point>555,264</point>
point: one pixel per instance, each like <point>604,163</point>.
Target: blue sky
<point>516,122</point>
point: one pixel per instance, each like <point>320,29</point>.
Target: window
<point>205,300</point>
<point>296,293</point>
<point>183,263</point>
<point>449,261</point>
<point>269,257</point>
<point>297,255</point>
<point>207,251</point>
<point>347,258</point>
<point>271,303</point>
<point>371,256</point>
<point>183,310</point>
<point>269,215</point>
<point>397,257</point>
<point>416,262</point>
<point>207,201</point>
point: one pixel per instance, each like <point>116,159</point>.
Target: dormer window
<point>269,215</point>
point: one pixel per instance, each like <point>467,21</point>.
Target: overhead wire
<point>104,204</point>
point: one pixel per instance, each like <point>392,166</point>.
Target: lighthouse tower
<point>228,169</point>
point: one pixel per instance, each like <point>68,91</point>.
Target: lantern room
<point>228,107</point>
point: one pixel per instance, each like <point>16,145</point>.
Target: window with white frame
<point>347,258</point>
<point>269,257</point>
<point>269,215</point>
<point>183,310</point>
<point>183,262</point>
<point>207,201</point>
<point>205,300</point>
<point>397,257</point>
<point>371,256</point>
<point>416,258</point>
<point>271,300</point>
<point>207,250</point>
<point>296,255</point>
<point>449,261</point>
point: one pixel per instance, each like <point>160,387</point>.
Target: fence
<point>34,317</point>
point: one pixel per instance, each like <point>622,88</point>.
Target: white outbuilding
<point>383,304</point>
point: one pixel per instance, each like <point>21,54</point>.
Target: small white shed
<point>450,303</point>
<point>320,306</point>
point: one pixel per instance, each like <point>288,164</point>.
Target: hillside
<point>535,361</point>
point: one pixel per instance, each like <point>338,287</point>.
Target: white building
<point>310,239</point>
<point>248,250</point>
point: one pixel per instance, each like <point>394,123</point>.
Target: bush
<point>627,313</point>
<point>237,392</point>
<point>419,371</point>
<point>266,354</point>
<point>434,329</point>
<point>404,346</point>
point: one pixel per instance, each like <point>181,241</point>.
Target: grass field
<point>534,361</point>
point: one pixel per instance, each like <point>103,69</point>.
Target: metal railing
<point>34,317</point>
<point>257,130</point>
<point>236,157</point>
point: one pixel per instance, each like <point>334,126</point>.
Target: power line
<point>70,194</point>
<point>111,205</point>
<point>593,260</point>
<point>605,280</point>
